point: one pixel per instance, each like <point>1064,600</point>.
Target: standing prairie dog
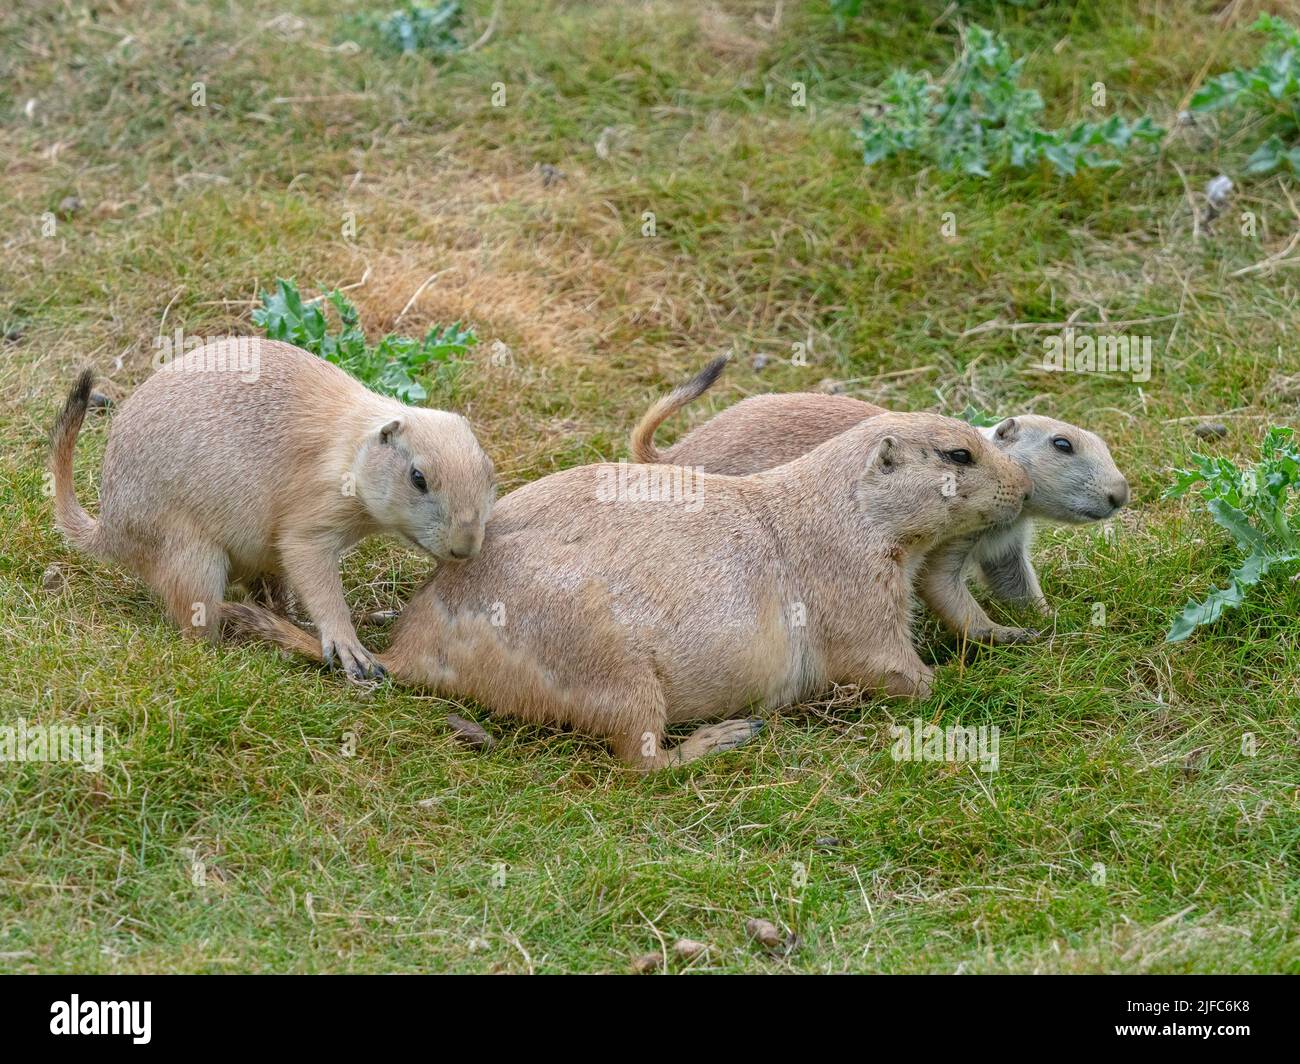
<point>1075,481</point>
<point>613,599</point>
<point>214,475</point>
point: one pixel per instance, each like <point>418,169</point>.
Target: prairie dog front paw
<point>348,654</point>
<point>1001,634</point>
<point>914,686</point>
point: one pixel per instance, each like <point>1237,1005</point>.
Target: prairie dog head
<point>423,476</point>
<point>1075,479</point>
<point>930,478</point>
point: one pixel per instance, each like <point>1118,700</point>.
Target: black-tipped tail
<point>643,445</point>
<point>72,520</point>
<point>244,619</point>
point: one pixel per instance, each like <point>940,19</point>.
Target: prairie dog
<point>620,612</point>
<point>211,477</point>
<point>1075,481</point>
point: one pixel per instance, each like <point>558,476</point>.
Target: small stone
<point>53,580</point>
<point>288,26</point>
<point>68,206</point>
<point>1210,430</point>
<point>688,949</point>
<point>14,334</point>
<point>1218,191</point>
<point>100,401</point>
<point>768,935</point>
<point>765,932</point>
<point>550,175</point>
<point>830,387</point>
<point>760,361</point>
<point>469,733</point>
<point>828,842</point>
<point>645,964</point>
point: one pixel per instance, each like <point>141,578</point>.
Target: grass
<point>1118,751</point>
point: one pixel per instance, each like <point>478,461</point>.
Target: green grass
<point>1117,750</point>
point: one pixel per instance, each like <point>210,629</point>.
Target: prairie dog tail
<point>244,618</point>
<point>643,444</point>
<point>78,526</point>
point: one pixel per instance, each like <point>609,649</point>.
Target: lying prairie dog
<point>620,610</point>
<point>214,474</point>
<point>1075,481</point>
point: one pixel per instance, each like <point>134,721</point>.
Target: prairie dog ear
<point>885,455</point>
<point>387,432</point>
<point>1006,431</point>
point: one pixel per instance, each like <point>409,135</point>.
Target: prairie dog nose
<point>1118,495</point>
<point>465,540</point>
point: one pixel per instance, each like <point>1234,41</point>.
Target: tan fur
<point>755,434</point>
<point>76,524</point>
<point>643,447</point>
<point>214,473</point>
<point>767,430</point>
<point>619,616</point>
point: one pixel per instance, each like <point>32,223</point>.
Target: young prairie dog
<point>1075,481</point>
<point>210,477</point>
<point>620,612</point>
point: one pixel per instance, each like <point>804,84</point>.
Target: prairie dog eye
<point>417,478</point>
<point>961,456</point>
<point>1063,445</point>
